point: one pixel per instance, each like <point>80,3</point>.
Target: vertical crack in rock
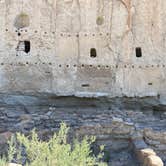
<point>108,45</point>
<point>76,20</point>
<point>127,4</point>
<point>52,5</point>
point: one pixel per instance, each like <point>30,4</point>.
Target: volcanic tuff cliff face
<point>83,47</point>
<point>112,48</point>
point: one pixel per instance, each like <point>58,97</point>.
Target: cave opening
<point>93,53</point>
<point>27,45</point>
<point>138,51</point>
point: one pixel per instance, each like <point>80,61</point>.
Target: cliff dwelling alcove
<point>27,45</point>
<point>78,61</point>
<point>93,53</point>
<point>99,20</point>
<point>21,21</point>
<point>138,51</point>
<point>24,46</point>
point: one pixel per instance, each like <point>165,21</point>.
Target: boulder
<point>153,160</point>
<point>147,152</point>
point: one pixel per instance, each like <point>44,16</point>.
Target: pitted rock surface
<point>122,129</point>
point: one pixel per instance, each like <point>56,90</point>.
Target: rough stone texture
<point>148,157</point>
<point>89,48</point>
<point>123,125</point>
<point>153,160</point>
<point>62,33</point>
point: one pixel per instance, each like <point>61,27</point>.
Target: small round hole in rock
<point>19,34</point>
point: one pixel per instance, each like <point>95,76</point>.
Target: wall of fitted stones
<point>62,32</point>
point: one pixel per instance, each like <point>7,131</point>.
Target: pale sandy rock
<point>127,38</point>
<point>148,157</point>
<point>117,120</point>
<point>25,117</point>
<point>147,152</point>
<point>155,136</point>
<point>13,164</point>
<point>153,160</point>
<point>143,154</point>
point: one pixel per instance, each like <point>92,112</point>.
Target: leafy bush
<point>3,162</point>
<point>55,152</point>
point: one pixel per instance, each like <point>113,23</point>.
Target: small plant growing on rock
<point>3,162</point>
<point>55,152</point>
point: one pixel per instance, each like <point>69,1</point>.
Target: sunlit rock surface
<point>86,48</point>
<point>83,47</point>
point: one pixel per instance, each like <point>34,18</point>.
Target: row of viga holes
<point>63,34</point>
<point>93,52</point>
<point>85,66</point>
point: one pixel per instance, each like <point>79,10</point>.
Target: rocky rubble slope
<point>127,127</point>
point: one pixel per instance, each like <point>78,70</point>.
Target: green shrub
<point>3,162</point>
<point>55,152</point>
